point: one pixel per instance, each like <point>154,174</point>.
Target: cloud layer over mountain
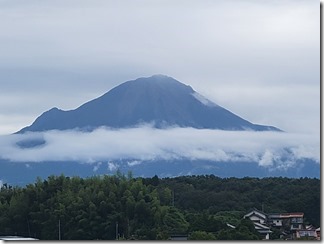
<point>268,149</point>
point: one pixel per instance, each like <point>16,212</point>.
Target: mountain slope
<point>159,99</point>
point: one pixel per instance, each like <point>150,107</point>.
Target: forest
<point>123,207</point>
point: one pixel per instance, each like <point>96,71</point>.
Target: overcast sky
<point>259,59</point>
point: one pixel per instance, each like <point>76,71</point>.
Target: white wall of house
<point>267,237</point>
<point>277,222</point>
<point>304,233</point>
<point>256,218</point>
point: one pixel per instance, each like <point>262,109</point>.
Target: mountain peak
<point>159,79</point>
<point>160,100</point>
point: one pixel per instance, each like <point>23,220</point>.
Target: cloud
<point>268,149</point>
<point>134,163</point>
<point>97,166</point>
<point>267,159</point>
<point>112,166</point>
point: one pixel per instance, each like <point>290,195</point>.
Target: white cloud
<point>97,166</point>
<point>268,149</point>
<point>203,100</point>
<point>112,166</point>
<point>267,159</point>
<point>134,163</point>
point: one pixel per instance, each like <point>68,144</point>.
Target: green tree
<point>201,235</point>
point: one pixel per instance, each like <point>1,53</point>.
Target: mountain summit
<point>159,100</point>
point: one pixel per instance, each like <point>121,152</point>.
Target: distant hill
<point>20,173</point>
<point>159,100</point>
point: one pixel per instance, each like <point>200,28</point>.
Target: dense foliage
<point>273,195</point>
<point>110,207</point>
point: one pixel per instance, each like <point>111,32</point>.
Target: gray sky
<point>259,59</point>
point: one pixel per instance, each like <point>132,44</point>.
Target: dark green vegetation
<point>150,208</point>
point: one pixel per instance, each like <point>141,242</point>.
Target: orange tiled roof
<point>291,215</point>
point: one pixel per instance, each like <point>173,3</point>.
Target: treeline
<point>273,195</point>
<point>123,207</point>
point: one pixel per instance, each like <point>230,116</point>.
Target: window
<point>297,220</point>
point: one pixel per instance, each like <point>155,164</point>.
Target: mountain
<point>26,173</point>
<point>159,100</point>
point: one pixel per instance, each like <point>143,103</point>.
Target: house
<point>263,230</point>
<point>310,232</point>
<point>318,233</point>
<point>306,233</point>
<point>275,220</point>
<point>259,220</point>
<point>296,220</point>
<point>256,216</point>
<point>288,221</point>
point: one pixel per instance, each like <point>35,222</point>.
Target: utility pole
<point>128,228</point>
<point>59,225</point>
<point>173,198</point>
<point>117,230</point>
<point>28,228</point>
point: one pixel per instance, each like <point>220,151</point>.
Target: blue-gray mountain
<point>26,173</point>
<point>159,100</point>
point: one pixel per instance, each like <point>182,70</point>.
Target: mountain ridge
<point>159,99</point>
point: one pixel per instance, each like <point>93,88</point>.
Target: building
<point>318,233</point>
<point>275,220</point>
<point>259,220</point>
<point>291,225</point>
<point>287,221</point>
<point>306,233</point>
<point>310,232</point>
<point>256,216</point>
<point>263,230</point>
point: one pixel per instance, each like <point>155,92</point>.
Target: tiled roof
<point>285,215</point>
<point>257,213</point>
<point>292,215</point>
